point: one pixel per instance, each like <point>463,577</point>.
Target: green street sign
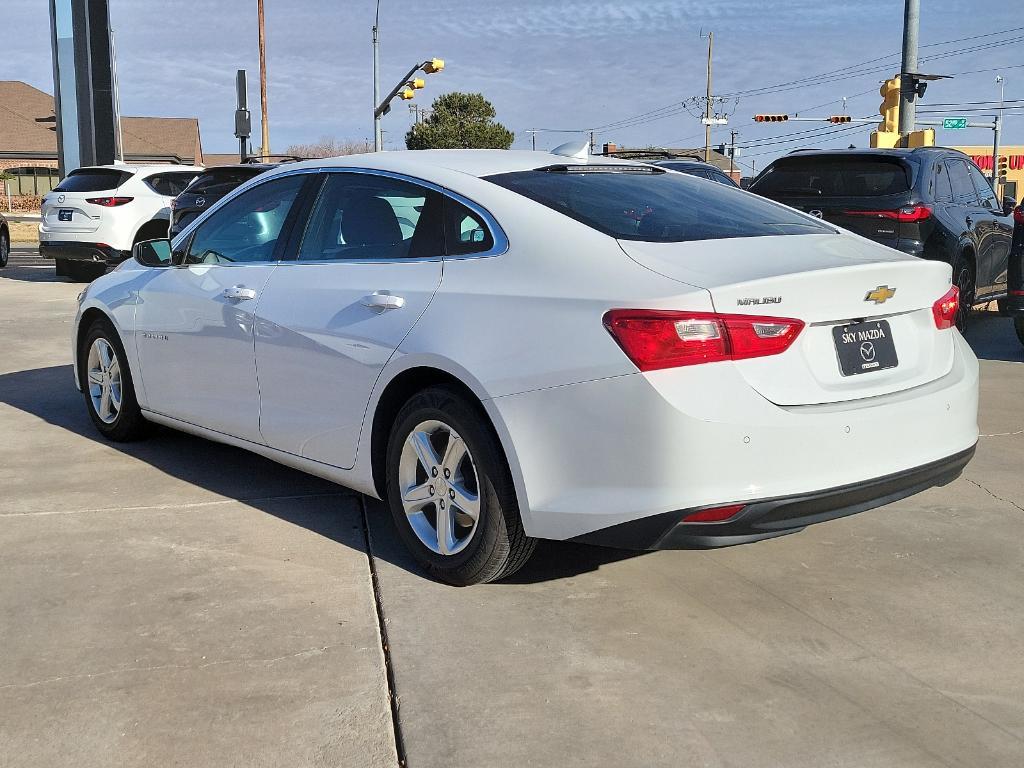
<point>954,123</point>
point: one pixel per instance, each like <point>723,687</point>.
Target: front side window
<point>633,203</point>
<point>365,216</point>
<point>246,229</point>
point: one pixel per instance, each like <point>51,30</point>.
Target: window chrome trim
<point>500,246</point>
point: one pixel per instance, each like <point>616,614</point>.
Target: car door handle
<point>239,292</point>
<point>383,300</point>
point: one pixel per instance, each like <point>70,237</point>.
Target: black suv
<point>930,202</point>
<point>697,168</point>
<point>207,188</point>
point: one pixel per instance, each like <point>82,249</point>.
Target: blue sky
<point>564,65</point>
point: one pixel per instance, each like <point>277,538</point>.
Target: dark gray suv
<point>930,202</point>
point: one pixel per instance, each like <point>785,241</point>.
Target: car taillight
<point>909,215</point>
<point>945,308</point>
<point>109,202</point>
<point>714,514</point>
<point>656,339</point>
<point>1018,214</point>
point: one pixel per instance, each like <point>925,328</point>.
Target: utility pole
<point>707,106</point>
<point>732,154</point>
<point>264,125</point>
<point>378,137</point>
<point>996,135</point>
<point>908,84</point>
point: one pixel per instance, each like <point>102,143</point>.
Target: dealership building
<point>982,157</point>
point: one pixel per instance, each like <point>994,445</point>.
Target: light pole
<point>378,139</point>
<point>264,124</point>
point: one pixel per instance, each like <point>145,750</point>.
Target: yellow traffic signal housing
<point>771,118</point>
<point>1003,166</point>
<point>407,93</point>
<point>922,138</point>
<point>836,119</point>
<point>433,66</point>
<point>416,82</point>
<point>889,109</point>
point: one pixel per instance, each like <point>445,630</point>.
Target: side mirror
<point>153,253</point>
<point>1008,205</point>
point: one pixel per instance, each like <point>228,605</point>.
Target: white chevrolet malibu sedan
<point>507,346</point>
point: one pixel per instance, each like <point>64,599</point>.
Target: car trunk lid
<point>844,289</point>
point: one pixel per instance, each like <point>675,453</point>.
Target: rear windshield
<point>92,180</point>
<point>221,181</point>
<point>817,176</point>
<point>170,184</point>
<point>655,206</point>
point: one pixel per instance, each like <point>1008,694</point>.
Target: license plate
<point>65,214</point>
<point>864,347</point>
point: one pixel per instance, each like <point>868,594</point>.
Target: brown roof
<point>27,125</point>
<point>211,159</point>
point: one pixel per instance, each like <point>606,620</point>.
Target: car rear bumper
<point>593,456</point>
<point>767,518</point>
<point>77,251</point>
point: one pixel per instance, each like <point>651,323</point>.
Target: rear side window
<point>964,192</point>
<point>464,231</point>
<point>655,206</point>
<point>169,184</point>
<point>818,176</point>
<point>92,180</point>
<point>365,216</point>
<point>220,181</point>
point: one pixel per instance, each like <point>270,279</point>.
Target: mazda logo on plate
<point>60,198</point>
<point>200,201</point>
<point>816,214</point>
<point>867,351</point>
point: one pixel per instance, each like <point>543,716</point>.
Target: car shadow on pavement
<point>49,394</point>
<point>992,338</point>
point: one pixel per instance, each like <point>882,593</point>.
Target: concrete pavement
<point>179,602</point>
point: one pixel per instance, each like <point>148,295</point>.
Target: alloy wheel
<point>103,374</point>
<point>439,486</point>
<point>965,284</point>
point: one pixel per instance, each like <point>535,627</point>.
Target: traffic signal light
<point>433,66</point>
<point>889,109</point>
<point>837,119</point>
<point>416,83</point>
<point>406,93</point>
<point>1003,166</point>
<point>771,118</point>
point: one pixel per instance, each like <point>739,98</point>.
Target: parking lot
<point>178,602</point>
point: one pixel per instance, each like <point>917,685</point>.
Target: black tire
<point>5,248</point>
<point>498,546</point>
<point>84,271</point>
<point>129,423</point>
<point>964,279</point>
<point>1018,326</point>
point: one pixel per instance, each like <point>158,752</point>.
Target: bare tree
<point>329,147</point>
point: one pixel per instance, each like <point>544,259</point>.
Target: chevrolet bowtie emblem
<point>881,294</point>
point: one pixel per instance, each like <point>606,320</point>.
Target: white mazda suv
<point>509,346</point>
<point>96,214</point>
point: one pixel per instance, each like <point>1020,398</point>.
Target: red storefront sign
<point>984,162</point>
